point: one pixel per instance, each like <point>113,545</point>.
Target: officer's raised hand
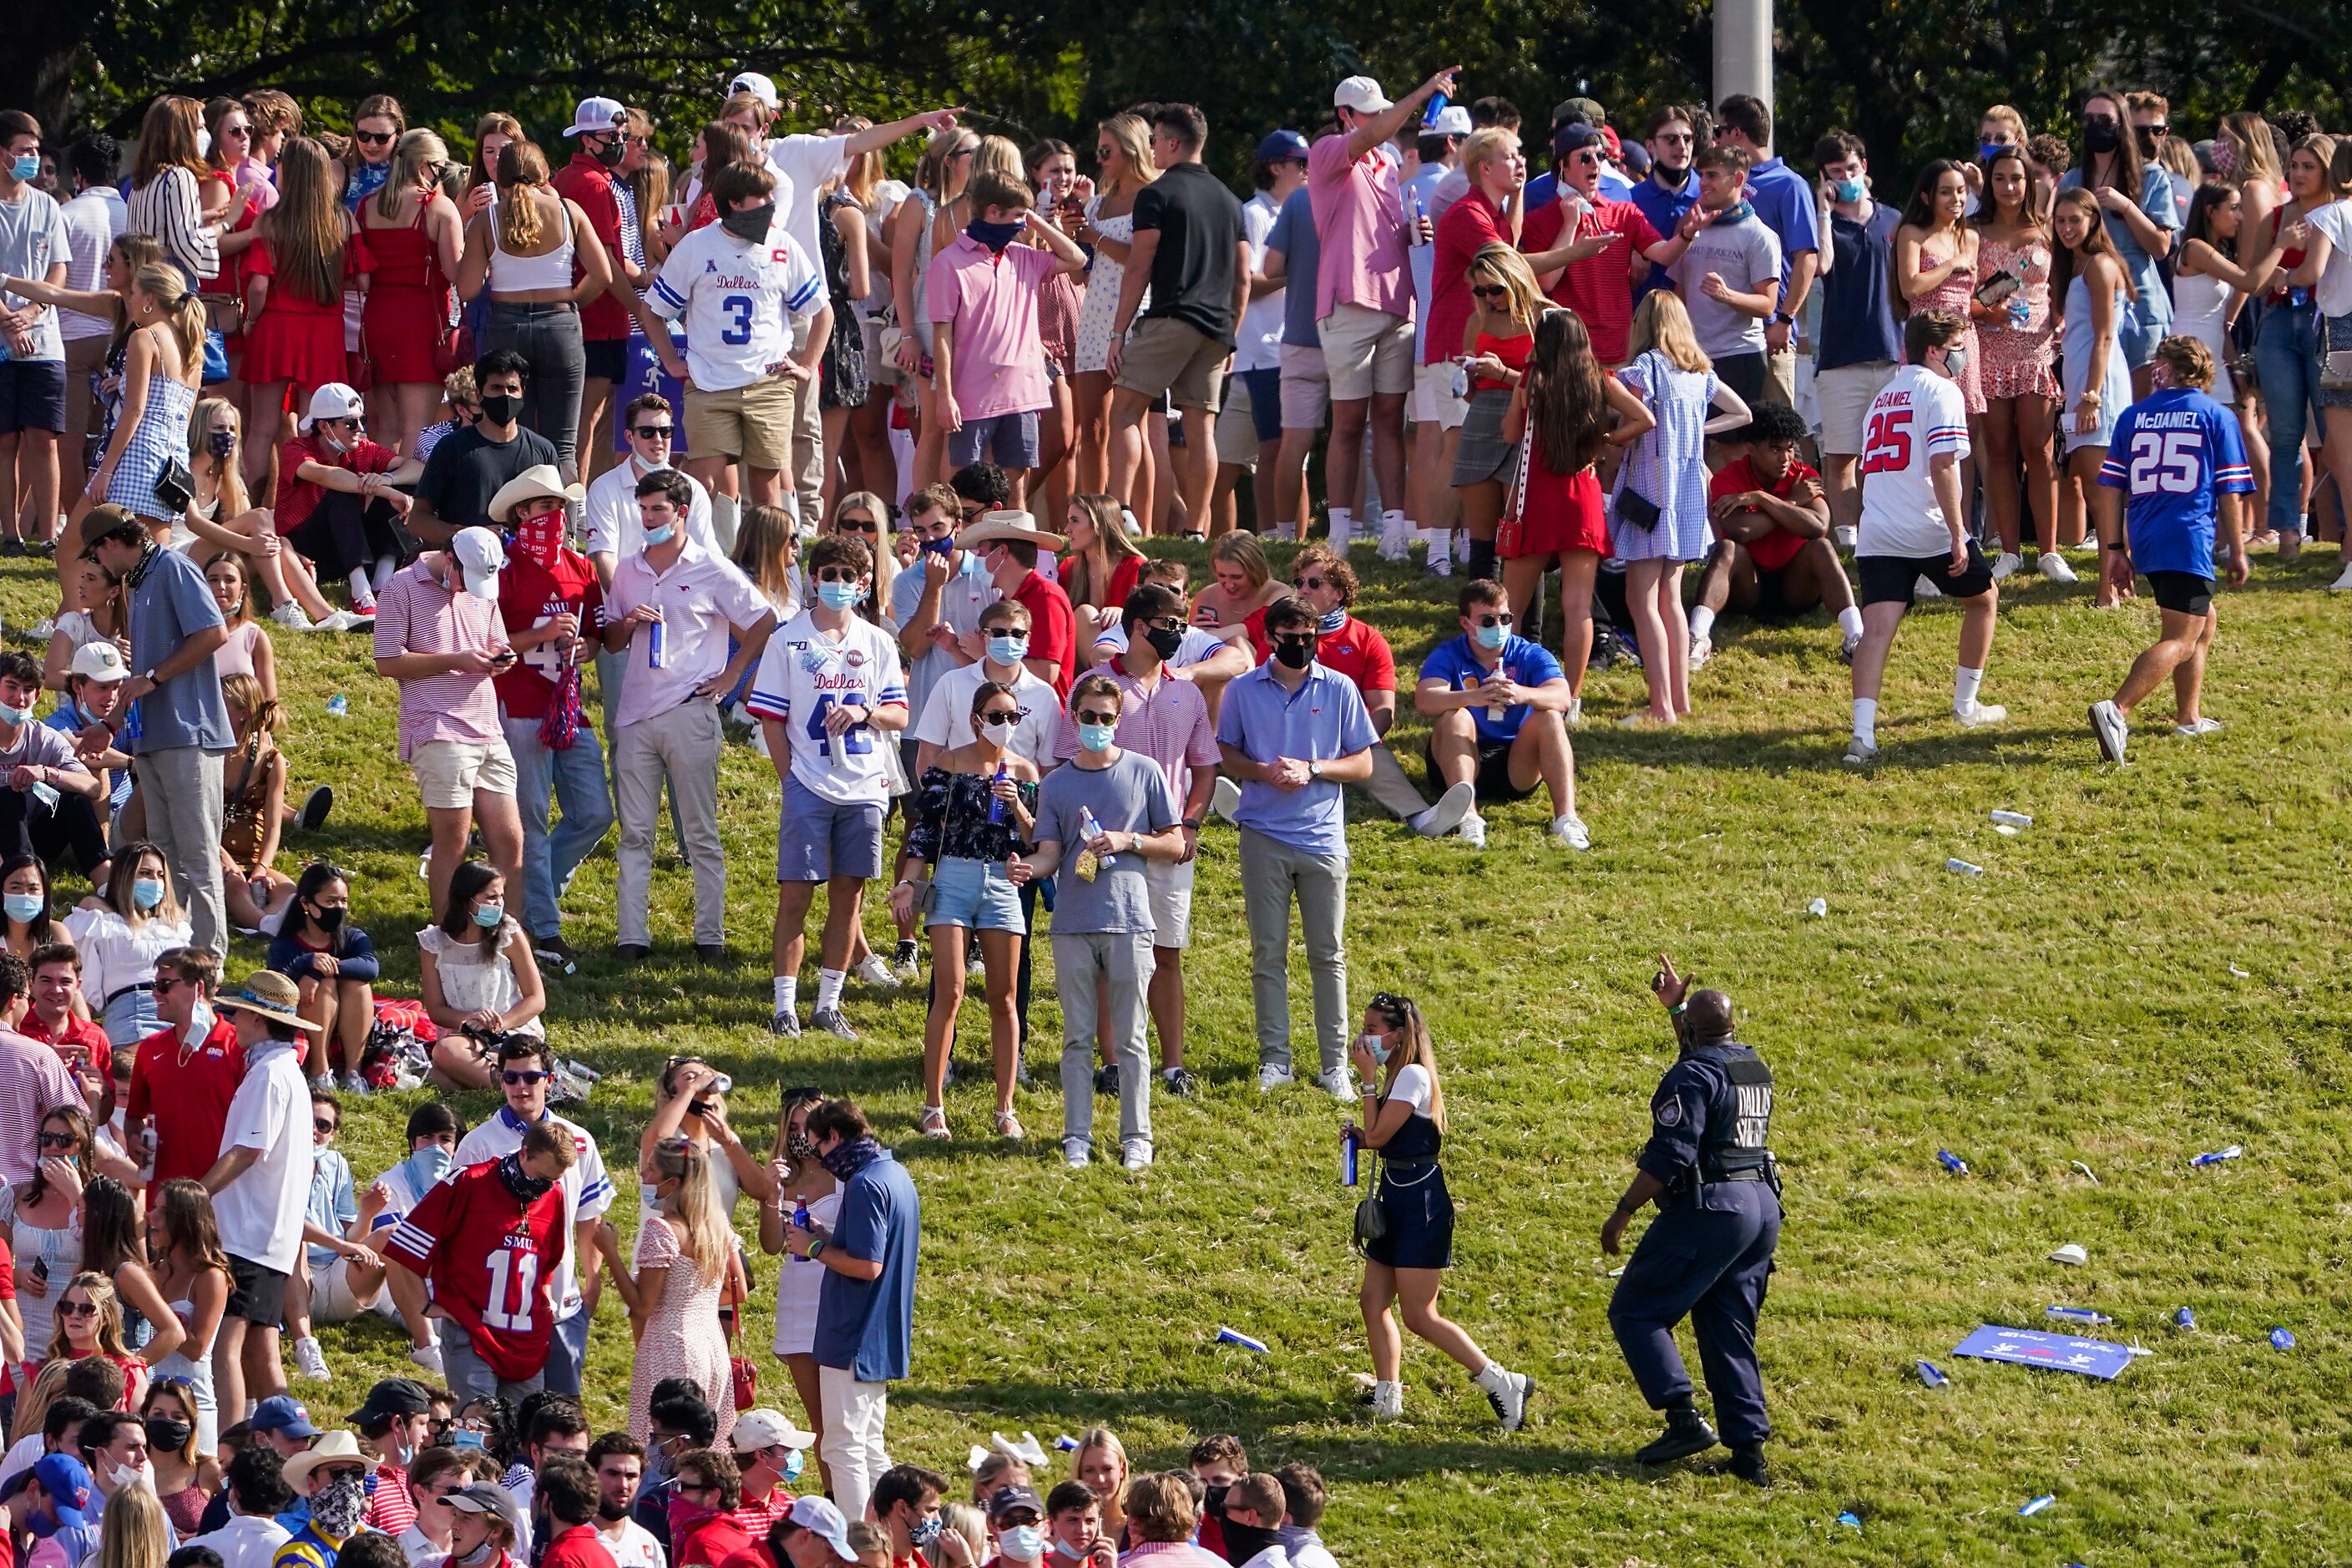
<point>1670,987</point>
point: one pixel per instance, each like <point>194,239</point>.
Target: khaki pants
<point>853,1447</point>
<point>1122,962</point>
<point>682,746</point>
<point>1272,875</point>
<point>805,475</point>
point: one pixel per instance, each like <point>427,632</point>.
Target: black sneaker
<point>1107,1079</point>
<point>1179,1082</point>
<point>1748,1463</point>
<point>40,547</point>
<point>633,952</point>
<point>710,951</point>
<point>12,547</point>
<point>1686,1432</point>
<point>315,807</point>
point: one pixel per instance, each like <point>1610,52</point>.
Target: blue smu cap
<point>67,1481</point>
<point>282,1413</point>
<point>1281,144</point>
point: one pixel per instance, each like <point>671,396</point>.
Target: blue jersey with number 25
<point>2173,453</point>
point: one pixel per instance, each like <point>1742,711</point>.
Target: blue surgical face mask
<point>1490,637</point>
<point>25,907</point>
<point>430,1164</point>
<point>1006,649</point>
<point>661,535</point>
<point>1988,150</point>
<point>465,1441</point>
<point>15,715</point>
<point>487,916</point>
<point>837,595</point>
<point>1096,737</point>
<point>650,1193</point>
<point>1377,1044</point>
<point>1022,1542</point>
<point>1739,211</point>
<point>1847,190</point>
<point>27,167</point>
<point>147,892</point>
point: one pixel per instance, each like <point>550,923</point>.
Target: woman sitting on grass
<point>477,978</point>
<point>335,965</point>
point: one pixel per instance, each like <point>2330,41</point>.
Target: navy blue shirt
<point>1664,209</point>
<point>1857,311</point>
<point>1785,202</point>
<point>867,1326</point>
<point>1695,1107</point>
<point>1302,253</point>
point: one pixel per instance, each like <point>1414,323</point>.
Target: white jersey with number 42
<point>803,674</point>
<point>1918,417</point>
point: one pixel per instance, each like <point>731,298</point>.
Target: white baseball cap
<point>766,1428</point>
<point>755,84</point>
<point>1452,120</point>
<point>479,555</point>
<point>99,661</point>
<point>598,115</point>
<point>1361,93</point>
<point>333,401</point>
<point>822,1520</point>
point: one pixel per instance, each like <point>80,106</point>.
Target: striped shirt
<point>415,614</point>
<point>167,207</point>
<point>33,1082</point>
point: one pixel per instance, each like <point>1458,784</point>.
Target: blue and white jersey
<point>803,674</point>
<point>737,300</point>
<point>2174,452</point>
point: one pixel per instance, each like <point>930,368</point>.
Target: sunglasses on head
<point>652,432</point>
<point>523,1075</point>
<point>1391,1006</point>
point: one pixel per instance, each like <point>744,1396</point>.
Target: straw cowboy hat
<point>995,526</point>
<point>539,480</point>
<point>267,995</point>
<point>332,1448</point>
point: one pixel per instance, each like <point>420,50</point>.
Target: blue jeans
<point>2285,361</point>
<point>576,780</point>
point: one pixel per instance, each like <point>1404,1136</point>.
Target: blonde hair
<point>1106,1439</point>
<point>2003,114</point>
<point>1417,1047</point>
<point>938,156</point>
<point>183,313</point>
<point>521,164</point>
<point>1131,134</point>
<point>883,562</point>
<point>130,1534</point>
<point>108,1331</point>
<point>865,170</point>
<point>1001,156</point>
<point>263,716</point>
<point>1661,323</point>
<point>704,1236</point>
<point>409,155</point>
<point>2253,151</point>
<point>968,1523</point>
<point>1485,146</point>
<point>33,1405</point>
<point>229,471</point>
<point>1503,264</point>
<point>1242,551</point>
<point>764,541</point>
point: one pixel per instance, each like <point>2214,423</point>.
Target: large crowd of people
<point>779,450</point>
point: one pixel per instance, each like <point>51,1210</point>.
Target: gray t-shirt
<point>1746,254</point>
<point>168,602</point>
<point>33,238</point>
<point>1128,796</point>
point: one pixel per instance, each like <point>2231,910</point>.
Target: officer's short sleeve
<point>1677,1122</point>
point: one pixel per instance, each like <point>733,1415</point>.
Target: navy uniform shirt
<point>1697,1106</point>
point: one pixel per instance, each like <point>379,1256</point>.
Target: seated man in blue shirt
<point>1495,705</point>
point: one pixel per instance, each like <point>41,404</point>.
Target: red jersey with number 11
<point>490,1261</point>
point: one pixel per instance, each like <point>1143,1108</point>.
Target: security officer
<point>1709,1166</point>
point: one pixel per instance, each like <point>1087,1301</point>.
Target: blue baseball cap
<point>1280,146</point>
<point>67,1481</point>
<point>282,1413</point>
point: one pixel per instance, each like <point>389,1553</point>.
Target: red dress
<point>294,339</point>
<point>1552,513</point>
<point>408,308</point>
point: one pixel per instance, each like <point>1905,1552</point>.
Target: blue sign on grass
<point>2030,1347</point>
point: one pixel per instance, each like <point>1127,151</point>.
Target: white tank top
<point>512,274</point>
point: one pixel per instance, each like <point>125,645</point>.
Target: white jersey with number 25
<point>1918,417</point>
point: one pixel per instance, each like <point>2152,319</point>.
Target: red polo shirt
<point>588,185</point>
<point>186,1089</point>
<point>1599,289</point>
<point>1053,628</point>
<point>577,1546</point>
<point>73,1032</point>
<point>1360,652</point>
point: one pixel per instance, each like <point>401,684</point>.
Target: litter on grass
<point>2240,974</point>
<point>2012,819</point>
<point>2184,1319</point>
<point>2032,1347</point>
<point>1235,1337</point>
<point>1930,1375</point>
<point>2282,1339</point>
<point>1851,1522</point>
<point>1818,908</point>
<point>2072,1255</point>
<point>2005,830</point>
<point>2088,1172</point>
<point>1951,1161</point>
<point>2232,1152</point>
<point>2037,1505</point>
<point>1067,1444</point>
<point>2079,1315</point>
<point>1963,867</point>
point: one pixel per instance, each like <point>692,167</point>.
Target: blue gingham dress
<point>1667,465</point>
<point>161,438</point>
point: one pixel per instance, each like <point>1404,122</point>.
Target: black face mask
<point>1294,653</point>
<point>1214,1504</point>
<point>1163,641</point>
<point>751,223</point>
<point>331,920</point>
<point>1243,1541</point>
<point>525,1187</point>
<point>166,1434</point>
<point>2100,135</point>
<point>501,408</point>
<point>611,153</point>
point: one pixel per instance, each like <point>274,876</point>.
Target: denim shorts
<point>817,839</point>
<point>974,894</point>
<point>1010,439</point>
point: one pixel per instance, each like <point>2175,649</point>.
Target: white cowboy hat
<point>995,526</point>
<point>539,480</point>
<point>331,1449</point>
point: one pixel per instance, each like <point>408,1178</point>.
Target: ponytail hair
<point>163,282</point>
<point>521,164</point>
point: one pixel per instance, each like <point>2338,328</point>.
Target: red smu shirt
<point>1599,289</point>
<point>577,1546</point>
<point>1122,579</point>
<point>1360,652</point>
<point>1779,547</point>
<point>491,1261</point>
<point>1053,628</point>
<point>529,595</point>
<point>73,1032</point>
<point>186,1089</point>
<point>297,497</point>
<point>1468,227</point>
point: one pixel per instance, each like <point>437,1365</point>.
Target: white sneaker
<point>1135,1156</point>
<point>1859,753</point>
<point>1844,538</point>
<point>2005,564</point>
<point>1473,831</point>
<point>1339,1084</point>
<point>429,1358</point>
<point>1981,713</point>
<point>1569,830</point>
<point>1575,714</point>
<point>1508,1392</point>
<point>1387,1401</point>
<point>43,629</point>
<point>1396,545</point>
<point>875,971</point>
<point>345,621</point>
<point>1446,815</point>
<point>1225,799</point>
<point>1272,1076</point>
<point>290,616</point>
<point>2114,733</point>
<point>1926,590</point>
<point>1702,648</point>
<point>2203,726</point>
<point>310,1361</point>
<point>2342,584</point>
<point>2053,566</point>
<point>1462,546</point>
<point>1077,1154</point>
<point>1440,561</point>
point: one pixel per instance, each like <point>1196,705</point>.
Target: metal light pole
<point>1743,48</point>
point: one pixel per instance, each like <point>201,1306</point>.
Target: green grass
<point>2076,1003</point>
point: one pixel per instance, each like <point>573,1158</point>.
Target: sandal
<point>933,1122</point>
<point>1008,1126</point>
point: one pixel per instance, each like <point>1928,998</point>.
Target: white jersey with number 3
<point>736,299</point>
<point>1920,416</point>
<point>803,674</point>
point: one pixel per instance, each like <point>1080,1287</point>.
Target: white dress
<point>475,976</point>
<point>798,1281</point>
<point>1101,307</point>
<point>2200,308</point>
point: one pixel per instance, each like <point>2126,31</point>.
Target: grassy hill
<point>2154,968</point>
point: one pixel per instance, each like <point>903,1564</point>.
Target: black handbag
<point>1371,1212</point>
<point>175,488</point>
<point>1629,506</point>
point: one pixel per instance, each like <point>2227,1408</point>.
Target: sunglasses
<point>526,1076</point>
<point>973,510</point>
<point>374,138</point>
<point>1489,291</point>
<point>1303,583</point>
<point>1297,639</point>
<point>78,1308</point>
<point>58,1139</point>
<point>1096,717</point>
<point>1000,720</point>
<point>1391,1004</point>
<point>652,432</point>
<point>1167,623</point>
<point>2157,130</point>
<point>1674,138</point>
<point>321,1124</point>
<point>239,131</point>
<point>835,574</point>
<point>860,524</point>
<point>1499,618</point>
<point>1589,159</point>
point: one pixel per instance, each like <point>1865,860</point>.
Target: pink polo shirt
<point>415,614</point>
<point>1358,208</point>
<point>701,598</point>
<point>998,361</point>
<point>1169,725</point>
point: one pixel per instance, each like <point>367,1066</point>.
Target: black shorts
<point>256,1294</point>
<point>605,359</point>
<point>32,396</point>
<point>1492,779</point>
<point>1745,375</point>
<point>1891,579</point>
<point>2183,591</point>
<point>1771,592</point>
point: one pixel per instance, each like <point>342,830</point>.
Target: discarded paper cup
<point>1818,908</point>
<point>2072,1254</point>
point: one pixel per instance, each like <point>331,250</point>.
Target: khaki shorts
<point>1166,356</point>
<point>332,1300</point>
<point>1366,352</point>
<point>1433,402</point>
<point>1845,396</point>
<point>1306,390</point>
<point>1780,377</point>
<point>1170,887</point>
<point>752,423</point>
<point>448,773</point>
<point>1238,428</point>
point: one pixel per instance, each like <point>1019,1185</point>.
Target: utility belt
<point>1684,1193</point>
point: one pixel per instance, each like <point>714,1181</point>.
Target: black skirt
<point>1421,1219</point>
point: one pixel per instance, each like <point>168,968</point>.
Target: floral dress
<point>1956,294</point>
<point>683,1338</point>
<point>1100,306</point>
<point>2018,356</point>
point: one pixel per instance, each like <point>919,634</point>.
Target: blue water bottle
<point>1347,1159</point>
<point>996,803</point>
<point>1437,101</point>
<point>800,1222</point>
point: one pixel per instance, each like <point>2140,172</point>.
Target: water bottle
<point>1412,217</point>
<point>1437,101</point>
<point>1951,1161</point>
<point>2037,1505</point>
<point>1963,867</point>
<point>996,805</point>
<point>1089,864</point>
<point>2078,1315</point>
<point>2232,1152</point>
<point>2012,818</point>
<point>1347,1159</point>
<point>799,1223</point>
<point>338,707</point>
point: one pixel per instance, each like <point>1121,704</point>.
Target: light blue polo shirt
<point>1323,720</point>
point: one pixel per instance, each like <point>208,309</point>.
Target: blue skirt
<point>1421,1221</point>
<point>129,1019</point>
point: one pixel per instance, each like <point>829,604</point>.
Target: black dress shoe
<point>1686,1432</point>
<point>1748,1463</point>
<point>710,951</point>
<point>633,952</point>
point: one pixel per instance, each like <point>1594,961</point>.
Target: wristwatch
<point>1191,822</point>
<point>1782,319</point>
<point>1314,769</point>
